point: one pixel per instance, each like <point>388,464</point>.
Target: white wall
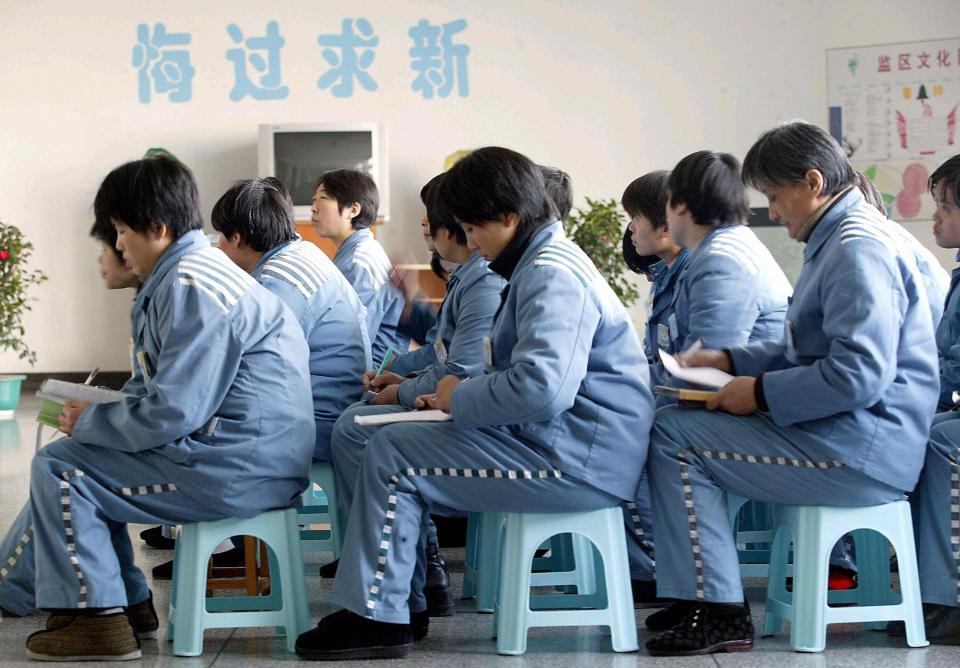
<point>605,90</point>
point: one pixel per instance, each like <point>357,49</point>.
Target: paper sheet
<point>704,376</point>
<point>61,390</point>
<point>409,416</point>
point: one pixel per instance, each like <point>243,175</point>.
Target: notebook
<point>408,416</point>
<point>61,390</point>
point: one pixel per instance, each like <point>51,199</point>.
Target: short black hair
<point>104,232</point>
<point>259,210</point>
<point>158,189</point>
<point>709,184</point>
<point>647,197</point>
<point>559,188</point>
<point>949,175</point>
<point>783,156</point>
<point>493,181</point>
<point>638,264</point>
<point>871,193</point>
<point>439,216</point>
<point>350,186</point>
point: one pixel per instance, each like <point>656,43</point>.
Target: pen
<point>93,374</point>
<point>385,362</point>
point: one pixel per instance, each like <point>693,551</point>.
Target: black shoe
<point>330,570</point>
<point>437,590</point>
<point>9,615</point>
<point>231,558</point>
<point>942,623</point>
<point>143,618</point>
<point>344,635</point>
<point>707,628</point>
<point>419,625</point>
<point>645,594</point>
<point>669,617</point>
<point>154,538</point>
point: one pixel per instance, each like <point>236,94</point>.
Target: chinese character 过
<point>169,70</point>
<point>268,67</point>
<point>437,61</point>
<point>348,65</point>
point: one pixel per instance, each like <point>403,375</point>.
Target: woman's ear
<point>816,182</point>
<point>510,219</point>
<point>158,230</point>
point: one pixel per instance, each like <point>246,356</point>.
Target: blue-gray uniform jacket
<point>857,369</point>
<point>473,296</point>
<point>658,311</point>
<point>363,261</point>
<point>565,370</point>
<point>225,394</point>
<point>415,360</point>
<point>948,344</point>
<point>730,292</point>
<point>333,321</point>
<point>935,278</point>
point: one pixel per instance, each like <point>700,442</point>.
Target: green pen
<point>386,361</point>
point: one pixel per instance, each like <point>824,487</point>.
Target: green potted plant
<point>598,230</point>
<point>15,280</point>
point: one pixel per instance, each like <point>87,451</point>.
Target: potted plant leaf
<point>598,230</point>
<point>15,280</point>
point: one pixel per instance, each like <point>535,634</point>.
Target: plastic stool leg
<point>777,580</point>
<point>488,562</point>
<point>584,562</point>
<point>903,545</point>
<point>808,629</point>
<point>513,602</point>
<point>623,621</point>
<point>190,595</point>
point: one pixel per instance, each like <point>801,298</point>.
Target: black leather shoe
<point>668,617</point>
<point>706,628</point>
<point>345,635</point>
<point>942,623</point>
<point>330,570</point>
<point>645,594</point>
<point>437,590</point>
<point>154,538</point>
<point>419,625</point>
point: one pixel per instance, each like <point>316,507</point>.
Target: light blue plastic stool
<point>286,606</point>
<point>320,507</point>
<point>814,530</point>
<point>523,533</point>
<point>750,529</point>
<point>571,565</point>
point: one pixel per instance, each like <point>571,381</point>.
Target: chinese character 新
<point>348,65</point>
<point>169,70</point>
<point>266,66</point>
<point>438,62</point>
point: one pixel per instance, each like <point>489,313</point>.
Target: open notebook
<point>61,390</point>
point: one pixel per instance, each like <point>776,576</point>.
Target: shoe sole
<point>729,646</point>
<point>147,635</point>
<point>445,610</point>
<point>104,657</point>
<point>380,652</point>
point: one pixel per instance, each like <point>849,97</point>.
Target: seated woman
<point>836,413</point>
<point>558,422</point>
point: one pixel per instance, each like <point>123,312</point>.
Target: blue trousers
<point>69,547</point>
<point>410,469</point>
<point>697,456</point>
<point>936,513</point>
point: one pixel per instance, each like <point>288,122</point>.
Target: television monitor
<point>298,154</point>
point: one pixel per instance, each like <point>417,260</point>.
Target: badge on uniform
<point>487,351</point>
<point>663,336</point>
<point>440,350</point>
<point>674,327</point>
<point>144,365</point>
<point>788,330</point>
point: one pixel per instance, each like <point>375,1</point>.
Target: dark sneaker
<point>419,625</point>
<point>437,589</point>
<point>345,635</point>
<point>143,618</point>
<point>942,623</point>
<point>231,558</point>
<point>668,617</point>
<point>707,628</point>
<point>86,638</point>
<point>645,594</point>
<point>154,538</point>
<point>330,570</point>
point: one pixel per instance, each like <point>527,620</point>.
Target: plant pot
<point>9,394</point>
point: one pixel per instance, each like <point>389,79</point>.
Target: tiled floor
<point>463,640</point>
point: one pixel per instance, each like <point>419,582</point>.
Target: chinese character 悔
<point>168,69</point>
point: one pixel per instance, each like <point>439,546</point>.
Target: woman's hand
<point>716,359</point>
<point>388,396</point>
<point>442,399</point>
<point>371,381</point>
<point>68,415</point>
<point>736,397</point>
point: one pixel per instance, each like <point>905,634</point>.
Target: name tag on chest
<point>440,350</point>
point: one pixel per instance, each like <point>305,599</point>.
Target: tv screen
<point>300,158</point>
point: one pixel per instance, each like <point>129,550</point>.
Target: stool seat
<point>523,533</point>
<point>286,606</point>
<point>813,531</point>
